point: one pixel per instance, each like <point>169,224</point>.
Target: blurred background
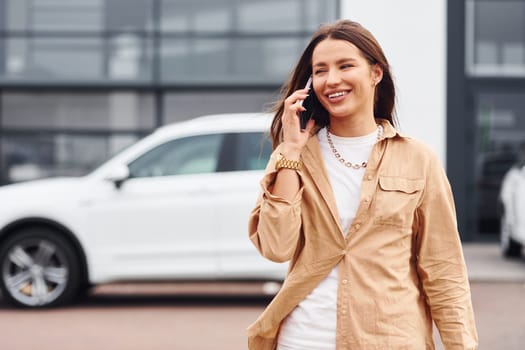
<point>82,79</point>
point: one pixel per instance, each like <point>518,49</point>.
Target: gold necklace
<point>338,155</point>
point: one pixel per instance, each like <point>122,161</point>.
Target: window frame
<point>477,70</point>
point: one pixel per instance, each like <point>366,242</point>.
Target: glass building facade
<point>82,79</point>
<point>486,106</point>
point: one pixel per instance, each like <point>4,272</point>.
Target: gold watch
<point>282,162</point>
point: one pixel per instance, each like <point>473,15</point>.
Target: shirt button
<point>369,177</point>
<point>357,226</point>
<point>344,281</point>
<point>343,312</point>
<point>366,200</point>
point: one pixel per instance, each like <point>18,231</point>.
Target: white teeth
<point>337,94</point>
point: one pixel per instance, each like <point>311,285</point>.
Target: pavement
<point>485,263</point>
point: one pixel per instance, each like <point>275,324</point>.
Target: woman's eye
<point>319,71</point>
<point>346,66</point>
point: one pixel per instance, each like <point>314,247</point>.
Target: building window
<point>119,110</point>
<point>79,15</point>
<point>186,105</point>
<point>229,61</point>
<point>246,16</point>
<point>495,38</point>
<point>81,79</point>
<point>62,133</point>
<point>236,42</point>
<point>500,142</point>
<point>27,157</point>
<point>119,58</point>
<point>62,41</point>
<point>155,42</point>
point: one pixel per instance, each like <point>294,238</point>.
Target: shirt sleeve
<point>275,223</point>
<point>441,265</point>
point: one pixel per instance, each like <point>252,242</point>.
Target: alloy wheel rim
<point>35,272</point>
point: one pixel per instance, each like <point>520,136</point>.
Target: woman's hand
<point>294,139</point>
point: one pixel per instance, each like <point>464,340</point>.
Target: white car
<point>512,198</point>
<point>173,206</point>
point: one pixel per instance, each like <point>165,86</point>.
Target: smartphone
<point>306,115</point>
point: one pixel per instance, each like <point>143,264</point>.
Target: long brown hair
<point>353,32</point>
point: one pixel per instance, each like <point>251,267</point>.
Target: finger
<point>296,96</point>
<point>300,92</point>
<point>293,111</point>
<point>301,98</point>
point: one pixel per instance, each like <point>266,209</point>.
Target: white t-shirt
<point>312,324</point>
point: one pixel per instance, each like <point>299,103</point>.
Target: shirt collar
<point>388,129</point>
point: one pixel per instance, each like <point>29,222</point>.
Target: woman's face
<point>343,80</point>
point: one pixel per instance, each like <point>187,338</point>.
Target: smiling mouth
<point>337,94</point>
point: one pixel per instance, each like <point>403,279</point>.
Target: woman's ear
<point>377,74</point>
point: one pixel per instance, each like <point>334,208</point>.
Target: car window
<point>189,155</point>
<point>254,150</point>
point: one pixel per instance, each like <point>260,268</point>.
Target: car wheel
<point>509,246</point>
<point>38,268</point>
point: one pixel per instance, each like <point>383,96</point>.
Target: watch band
<point>288,164</point>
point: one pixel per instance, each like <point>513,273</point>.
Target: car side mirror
<point>118,175</point>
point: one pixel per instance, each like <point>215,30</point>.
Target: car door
<point>160,222</point>
<point>247,159</point>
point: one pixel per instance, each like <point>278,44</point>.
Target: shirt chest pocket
<point>396,200</point>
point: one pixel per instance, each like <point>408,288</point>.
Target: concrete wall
<point>413,36</point>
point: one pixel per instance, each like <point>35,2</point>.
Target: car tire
<point>38,269</point>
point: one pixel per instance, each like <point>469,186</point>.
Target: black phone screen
<point>309,104</point>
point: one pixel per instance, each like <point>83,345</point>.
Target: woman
<point>364,214</point>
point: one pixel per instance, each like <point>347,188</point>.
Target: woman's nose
<point>333,78</point>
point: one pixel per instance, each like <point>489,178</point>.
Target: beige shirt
<point>400,266</point>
